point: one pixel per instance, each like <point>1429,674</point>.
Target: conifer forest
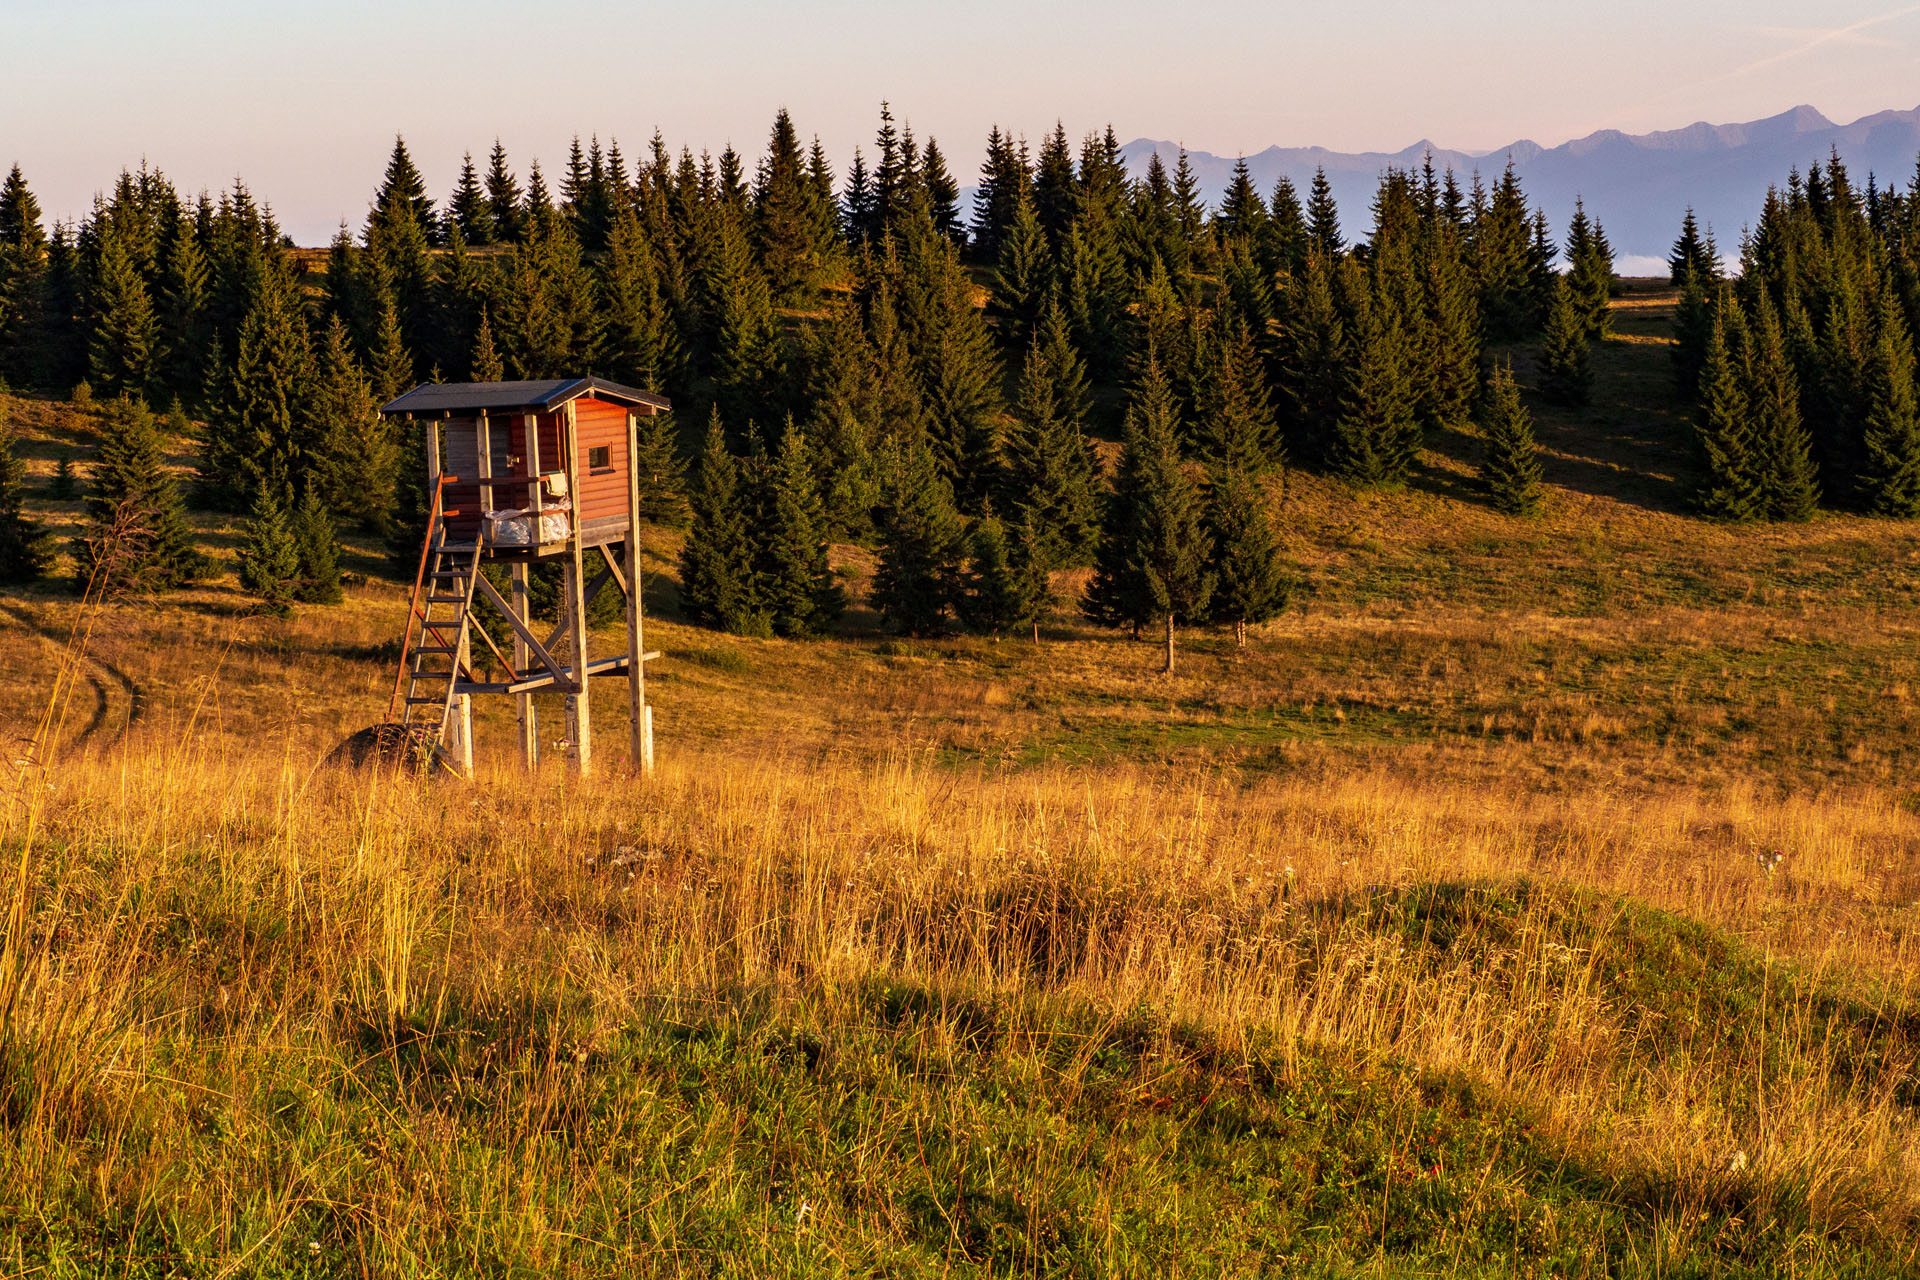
<point>856,358</point>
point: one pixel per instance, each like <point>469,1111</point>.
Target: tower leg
<point>460,715</point>
<point>522,656</point>
<point>580,719</point>
<point>640,750</point>
<point>461,733</point>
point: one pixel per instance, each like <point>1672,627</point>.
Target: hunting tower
<point>522,473</point>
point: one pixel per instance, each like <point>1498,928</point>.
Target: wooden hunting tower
<point>523,473</point>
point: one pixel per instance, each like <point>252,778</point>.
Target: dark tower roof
<point>441,399</point>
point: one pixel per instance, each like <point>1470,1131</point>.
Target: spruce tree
<point>1323,219</point>
<point>121,347</point>
<point>1692,322</point>
<point>748,355</point>
<point>1004,186</point>
<point>955,362</point>
<point>1052,479</point>
<point>923,546</point>
<point>943,194</point>
<point>1250,582</point>
<point>1155,552</point>
<point>317,558</point>
<point>136,535</point>
<point>1055,189</point>
<point>389,363</point>
<point>1157,320</point>
<point>1691,257</point>
<point>1503,257</point>
<point>1286,243</point>
<point>460,292</point>
<point>794,245</point>
<point>24,553</point>
<point>1243,214</point>
<point>1729,487</point>
<point>1543,282</point>
<point>259,428</point>
<point>796,585</point>
<point>485,362</point>
<point>1788,477</point>
<point>1510,467</point>
<point>1237,430</point>
<point>270,558</point>
<point>1891,483</point>
<point>468,209</point>
<point>1006,582</point>
<point>658,470</point>
<point>1589,278</point>
<point>503,199</point>
<point>717,580</point>
<point>26,269</point>
<point>1452,381</point>
<point>1566,371</point>
<point>1094,291</point>
<point>1313,348</point>
<point>406,523</point>
<point>403,193</point>
<point>857,205</point>
<point>356,456</point>
<point>56,348</point>
<point>1023,279</point>
<point>185,318</point>
<point>846,422</point>
<point>1376,436</point>
<point>1070,381</point>
<point>1588,273</point>
<point>640,346</point>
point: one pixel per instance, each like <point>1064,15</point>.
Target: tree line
<point>1801,367</point>
<point>853,359</point>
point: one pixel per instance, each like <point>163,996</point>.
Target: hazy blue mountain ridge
<point>1638,186</point>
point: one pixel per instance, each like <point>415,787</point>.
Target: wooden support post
<point>461,733</point>
<point>483,463</point>
<point>581,730</point>
<point>522,655</point>
<point>641,748</point>
<point>433,454</point>
<point>531,427</point>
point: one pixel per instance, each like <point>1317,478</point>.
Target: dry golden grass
<point>205,931</point>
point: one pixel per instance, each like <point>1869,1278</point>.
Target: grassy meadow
<point>1534,898</point>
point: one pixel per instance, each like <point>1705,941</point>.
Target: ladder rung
<point>435,648</point>
<point>438,702</point>
<point>446,599</point>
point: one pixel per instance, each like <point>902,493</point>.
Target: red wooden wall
<point>603,490</point>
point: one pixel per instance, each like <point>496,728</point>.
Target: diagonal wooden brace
<point>559,673</point>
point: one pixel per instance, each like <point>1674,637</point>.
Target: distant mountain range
<point>1638,186</point>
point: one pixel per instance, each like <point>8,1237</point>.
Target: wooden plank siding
<point>460,458</point>
<point>603,490</point>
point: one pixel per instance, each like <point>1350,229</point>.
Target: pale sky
<point>303,100</point>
